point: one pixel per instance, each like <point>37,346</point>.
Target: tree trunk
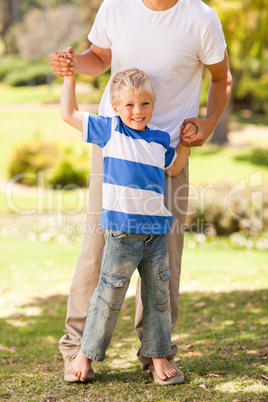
<point>15,10</point>
<point>220,134</point>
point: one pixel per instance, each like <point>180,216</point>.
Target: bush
<point>35,74</point>
<point>221,213</point>
<point>10,64</point>
<point>59,168</point>
<point>71,170</point>
<point>255,92</point>
<point>32,157</point>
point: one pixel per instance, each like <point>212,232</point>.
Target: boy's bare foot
<point>163,368</point>
<point>81,366</point>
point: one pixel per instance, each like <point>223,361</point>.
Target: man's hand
<point>219,94</point>
<point>203,131</point>
<point>63,66</point>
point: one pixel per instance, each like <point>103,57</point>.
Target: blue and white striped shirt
<point>133,186</point>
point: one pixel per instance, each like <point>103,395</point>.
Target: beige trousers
<point>87,272</point>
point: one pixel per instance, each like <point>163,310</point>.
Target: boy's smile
<point>135,109</point>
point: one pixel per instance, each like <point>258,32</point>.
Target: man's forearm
<point>90,63</point>
<point>218,97</point>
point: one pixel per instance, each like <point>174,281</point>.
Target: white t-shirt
<point>171,46</point>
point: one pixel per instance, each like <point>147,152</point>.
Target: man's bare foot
<point>163,368</point>
<point>81,366</point>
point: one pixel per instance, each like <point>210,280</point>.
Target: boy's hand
<point>189,130</point>
<point>204,129</point>
<point>63,62</point>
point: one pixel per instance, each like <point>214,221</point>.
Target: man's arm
<point>93,61</point>
<point>218,97</point>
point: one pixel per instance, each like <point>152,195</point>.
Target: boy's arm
<point>188,131</point>
<point>69,108</point>
<point>179,163</point>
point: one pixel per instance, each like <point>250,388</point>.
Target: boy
<point>134,217</point>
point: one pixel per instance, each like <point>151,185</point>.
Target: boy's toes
<point>171,373</point>
<point>162,377</point>
<point>76,373</point>
<point>83,376</point>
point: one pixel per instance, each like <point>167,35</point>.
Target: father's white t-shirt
<point>171,46</point>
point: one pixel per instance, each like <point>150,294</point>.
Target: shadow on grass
<point>222,339</point>
<point>257,156</point>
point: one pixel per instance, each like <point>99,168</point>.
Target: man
<point>171,40</point>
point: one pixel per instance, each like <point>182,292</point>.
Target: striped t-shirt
<point>133,186</point>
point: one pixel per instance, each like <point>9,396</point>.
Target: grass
<point>221,334</point>
<point>32,201</point>
<point>45,94</point>
<point>30,94</point>
<point>213,164</point>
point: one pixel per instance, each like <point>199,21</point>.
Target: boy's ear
<point>115,110</point>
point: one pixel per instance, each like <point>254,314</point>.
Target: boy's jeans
<point>123,253</point>
<point>88,267</point>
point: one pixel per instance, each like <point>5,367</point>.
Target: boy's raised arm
<point>69,108</point>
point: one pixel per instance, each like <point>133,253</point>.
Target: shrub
<point>12,63</point>
<point>71,170</point>
<point>35,74</point>
<point>32,157</point>
<point>60,168</point>
<point>255,91</point>
<point>221,213</point>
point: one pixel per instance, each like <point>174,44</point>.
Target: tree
<point>43,31</point>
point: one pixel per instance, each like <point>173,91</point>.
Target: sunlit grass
<point>45,94</point>
<point>221,332</point>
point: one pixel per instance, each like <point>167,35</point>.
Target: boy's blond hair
<point>131,79</point>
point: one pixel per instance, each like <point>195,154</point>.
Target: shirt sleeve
<point>96,129</point>
<point>170,157</point>
<point>99,34</point>
<point>213,43</point>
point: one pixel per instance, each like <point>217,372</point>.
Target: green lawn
<point>32,201</point>
<point>45,94</point>
<point>213,164</point>
<point>221,334</point>
<point>30,94</point>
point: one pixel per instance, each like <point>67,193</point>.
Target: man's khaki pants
<point>87,272</point>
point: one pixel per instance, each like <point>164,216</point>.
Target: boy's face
<point>135,110</point>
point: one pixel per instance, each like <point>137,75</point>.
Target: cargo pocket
<point>162,299</point>
<point>112,292</point>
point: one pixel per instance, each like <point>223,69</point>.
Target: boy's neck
<point>160,5</point>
